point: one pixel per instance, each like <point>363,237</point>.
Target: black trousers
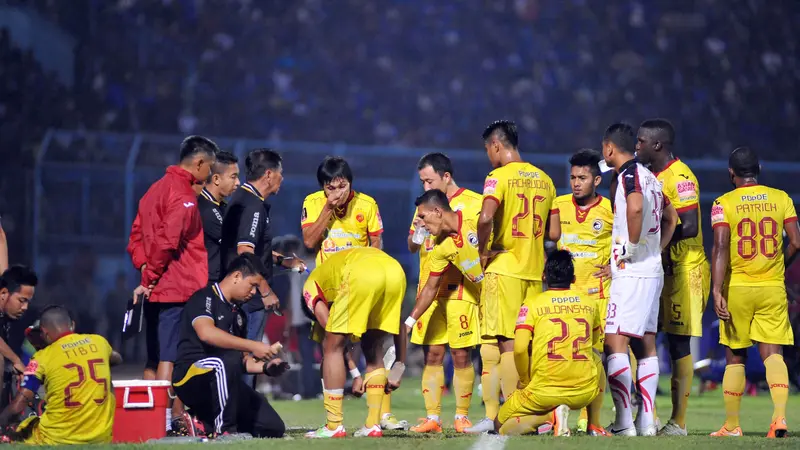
<point>215,393</point>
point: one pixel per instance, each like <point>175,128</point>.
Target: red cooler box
<point>141,410</point>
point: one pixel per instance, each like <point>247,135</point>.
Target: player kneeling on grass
<point>357,294</point>
<point>213,353</point>
<point>75,371</point>
<point>560,327</point>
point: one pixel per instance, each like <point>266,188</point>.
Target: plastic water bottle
<point>420,234</point>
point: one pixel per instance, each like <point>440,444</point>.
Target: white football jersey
<point>634,177</point>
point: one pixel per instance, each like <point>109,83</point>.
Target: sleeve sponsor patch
<point>380,221</point>
<point>717,213</point>
<point>304,215</point>
<point>687,190</point>
<point>523,314</point>
<point>307,297</point>
<point>490,186</point>
<point>31,368</point>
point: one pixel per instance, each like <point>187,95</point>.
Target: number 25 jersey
<point>756,216</point>
<point>77,379</point>
<point>524,194</point>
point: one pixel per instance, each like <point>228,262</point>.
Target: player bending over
<point>453,258</point>
<point>748,284</point>
<point>553,351</point>
<point>75,371</point>
<point>357,294</point>
<point>643,225</point>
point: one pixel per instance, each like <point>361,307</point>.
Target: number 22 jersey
<point>756,216</point>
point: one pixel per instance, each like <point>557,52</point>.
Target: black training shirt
<point>211,212</point>
<point>207,302</point>
<point>246,222</point>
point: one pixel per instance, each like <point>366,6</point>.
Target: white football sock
<point>647,384</point>
<point>619,381</point>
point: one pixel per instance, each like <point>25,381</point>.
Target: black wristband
<point>279,260</point>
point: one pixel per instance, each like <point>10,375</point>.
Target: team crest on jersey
<point>304,215</point>
<point>360,217</point>
<point>419,325</point>
<point>597,226</point>
<point>490,186</point>
<point>472,238</point>
<point>429,243</point>
<point>523,314</point>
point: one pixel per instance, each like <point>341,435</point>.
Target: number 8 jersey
<point>634,177</point>
<point>756,216</point>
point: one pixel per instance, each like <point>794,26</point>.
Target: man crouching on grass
<point>213,353</point>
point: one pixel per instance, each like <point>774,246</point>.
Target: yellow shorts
<point>683,301</point>
<point>758,313</point>
<point>530,402</point>
<point>371,299</point>
<point>453,322</point>
<point>501,298</point>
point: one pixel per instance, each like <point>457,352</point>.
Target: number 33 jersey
<point>76,376</point>
<point>756,216</point>
<point>635,178</point>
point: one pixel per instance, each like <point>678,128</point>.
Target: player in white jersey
<point>643,225</point>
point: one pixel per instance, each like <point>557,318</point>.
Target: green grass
<point>706,414</point>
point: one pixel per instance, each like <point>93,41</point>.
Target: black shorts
<point>163,332</point>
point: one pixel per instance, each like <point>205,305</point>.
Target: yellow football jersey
<point>351,224</point>
<point>565,324</point>
<point>586,234</point>
<point>327,280</point>
<point>680,186</point>
<point>451,287</point>
<point>459,252</point>
<point>525,195</point>
<point>77,381</point>
<point>756,216</point>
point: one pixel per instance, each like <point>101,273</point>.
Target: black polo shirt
<point>212,212</point>
<point>207,302</point>
<point>246,222</point>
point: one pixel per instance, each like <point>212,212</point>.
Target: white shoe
<point>374,432</point>
<point>624,432</point>
<point>324,433</point>
<point>672,429</point>
<point>562,421</point>
<point>650,430</point>
<point>484,426</point>
<point>390,422</point>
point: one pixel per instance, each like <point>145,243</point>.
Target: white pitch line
<point>490,442</point>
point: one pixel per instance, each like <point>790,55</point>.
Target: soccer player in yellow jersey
<point>586,221</point>
<point>455,249</point>
<point>517,200</point>
<point>431,330</point>
<point>357,294</point>
<point>687,277</point>
<point>75,371</point>
<point>553,348</point>
<point>748,284</point>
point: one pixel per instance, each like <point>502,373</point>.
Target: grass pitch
<point>706,414</point>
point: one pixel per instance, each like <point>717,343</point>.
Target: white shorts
<point>633,306</point>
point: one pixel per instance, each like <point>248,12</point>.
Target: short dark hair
<point>663,129</point>
<point>224,159</point>
<point>55,316</point>
<point>439,162</point>
<point>17,276</point>
<point>587,157</point>
<point>744,162</point>
<point>504,130</point>
<point>259,161</point>
<point>621,135</point>
<point>197,145</point>
<point>559,269</point>
<point>332,168</point>
<point>248,264</point>
<point>434,197</point>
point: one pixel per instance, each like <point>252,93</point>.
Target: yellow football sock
<point>516,426</point>
<point>375,383</point>
<point>594,408</point>
<point>432,387</point>
<point>733,383</point>
<point>332,401</point>
<point>508,374</point>
<point>490,379</point>
<point>386,405</point>
<point>778,380</point>
<point>681,383</point>
<point>463,382</point>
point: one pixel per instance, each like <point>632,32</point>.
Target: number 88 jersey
<point>635,178</point>
<point>756,216</point>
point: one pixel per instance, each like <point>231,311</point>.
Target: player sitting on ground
<point>748,284</point>
<point>586,221</point>
<point>357,294</point>
<point>455,250</point>
<point>75,371</point>
<point>553,352</point>
<point>450,318</point>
